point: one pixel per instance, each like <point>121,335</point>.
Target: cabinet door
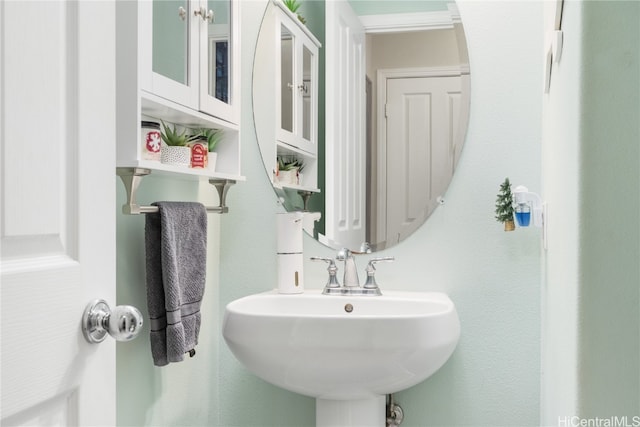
<point>308,98</point>
<point>220,58</point>
<point>169,49</point>
<point>287,81</point>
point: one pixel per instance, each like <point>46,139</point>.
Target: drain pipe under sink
<point>395,415</point>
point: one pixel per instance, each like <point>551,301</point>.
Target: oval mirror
<point>383,94</point>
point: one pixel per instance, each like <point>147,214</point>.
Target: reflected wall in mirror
<point>396,90</point>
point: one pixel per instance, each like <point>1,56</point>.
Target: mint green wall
<point>591,164</point>
<point>180,394</point>
<point>492,276</point>
<point>609,369</point>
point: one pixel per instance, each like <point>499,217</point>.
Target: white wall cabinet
<point>179,61</point>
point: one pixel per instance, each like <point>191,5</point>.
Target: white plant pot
<point>179,156</point>
<point>211,162</point>
<point>289,177</point>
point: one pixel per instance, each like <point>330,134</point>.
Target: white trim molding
<point>396,22</point>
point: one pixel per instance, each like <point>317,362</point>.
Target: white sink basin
<point>311,344</point>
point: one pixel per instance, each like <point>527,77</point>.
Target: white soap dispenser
<point>289,253</point>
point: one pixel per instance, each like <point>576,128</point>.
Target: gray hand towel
<point>176,255</point>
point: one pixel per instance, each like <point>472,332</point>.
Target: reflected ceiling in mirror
<point>393,114</point>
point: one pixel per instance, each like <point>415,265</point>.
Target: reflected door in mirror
<point>420,119</point>
<point>345,191</point>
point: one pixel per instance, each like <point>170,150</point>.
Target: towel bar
<point>131,178</point>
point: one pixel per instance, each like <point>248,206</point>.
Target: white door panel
<point>422,118</point>
<point>58,193</point>
<point>345,126</point>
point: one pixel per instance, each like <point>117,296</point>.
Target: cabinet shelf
<point>289,150</point>
<point>157,108</point>
<point>280,186</point>
<point>187,173</point>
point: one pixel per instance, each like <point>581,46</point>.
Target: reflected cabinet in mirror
<point>395,87</point>
<point>286,99</point>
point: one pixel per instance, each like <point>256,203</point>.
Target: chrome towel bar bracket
<point>131,178</point>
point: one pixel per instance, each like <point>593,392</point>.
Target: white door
<point>422,117</point>
<point>345,126</point>
<point>57,130</point>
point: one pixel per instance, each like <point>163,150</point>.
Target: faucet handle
<point>332,269</point>
<point>379,259</point>
<point>371,271</point>
<point>327,260</point>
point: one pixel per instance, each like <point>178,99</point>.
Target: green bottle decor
<point>504,206</point>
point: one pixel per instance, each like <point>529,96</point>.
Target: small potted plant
<point>293,6</point>
<point>209,138</point>
<point>174,150</point>
<point>288,170</point>
<point>504,206</point>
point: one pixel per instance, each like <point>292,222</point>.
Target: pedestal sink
<point>347,352</point>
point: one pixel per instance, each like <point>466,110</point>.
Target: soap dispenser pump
<point>289,253</point>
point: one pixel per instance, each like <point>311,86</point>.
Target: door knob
<point>182,13</point>
<point>206,16</point>
<point>123,323</point>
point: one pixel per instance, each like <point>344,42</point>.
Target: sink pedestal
<point>351,413</point>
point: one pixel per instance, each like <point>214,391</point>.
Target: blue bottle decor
<point>523,214</point>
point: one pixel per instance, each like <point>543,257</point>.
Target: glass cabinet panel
<point>287,79</point>
<point>219,49</point>
<point>307,58</point>
<point>170,39</point>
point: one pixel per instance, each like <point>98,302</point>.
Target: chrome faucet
<point>351,284</point>
<point>350,271</point>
